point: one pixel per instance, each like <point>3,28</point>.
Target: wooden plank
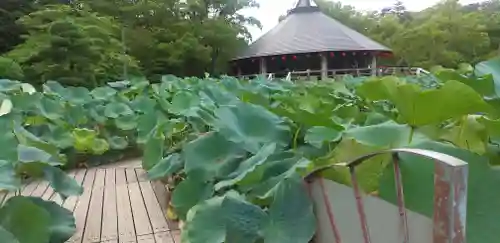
<point>142,175</point>
<point>109,231</point>
<point>156,215</point>
<point>163,197</point>
<point>70,202</point>
<point>164,237</point>
<point>40,189</point>
<point>92,232</point>
<point>176,235</point>
<point>146,238</point>
<point>30,187</point>
<point>110,241</point>
<point>141,218</point>
<point>82,206</point>
<point>131,176</point>
<point>126,230</point>
<point>120,180</point>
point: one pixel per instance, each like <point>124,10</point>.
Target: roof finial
<point>303,3</point>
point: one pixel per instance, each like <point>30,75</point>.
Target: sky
<point>270,10</point>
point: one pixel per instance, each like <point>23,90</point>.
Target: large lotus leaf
<point>490,67</point>
<point>317,136</point>
<point>62,183</point>
<point>28,88</point>
<point>25,101</point>
<point>418,182</point>
<point>115,110</point>
<point>243,220</point>
<point>190,192</point>
<point>483,85</point>
<point>9,85</point>
<point>8,143</point>
<point>97,113</point>
<point>468,133</point>
<point>367,173</point>
<point>205,223</point>
<point>51,109</point>
<point>54,88</point>
<point>28,222</point>
<point>291,216</point>
<point>273,174</point>
<point>126,122</point>
<point>76,115</point>
<point>166,167</point>
<point>103,93</point>
<point>422,107</point>
<point>153,150</point>
<point>209,153</point>
<point>27,138</point>
<point>143,104</point>
<point>321,118</point>
<point>251,125</point>
<point>247,166</point>
<point>385,135</point>
<point>275,165</point>
<point>84,138</point>
<point>119,84</point>
<point>6,236</point>
<point>185,103</point>
<point>219,96</point>
<point>99,146</point>
<point>8,178</point>
<point>60,137</point>
<point>6,107</point>
<point>116,142</point>
<point>224,219</point>
<point>77,95</point>
<point>62,223</point>
<point>146,123</point>
<point>27,154</point>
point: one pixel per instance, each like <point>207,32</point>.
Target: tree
<point>73,46</point>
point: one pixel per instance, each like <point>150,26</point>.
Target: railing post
<point>324,66</point>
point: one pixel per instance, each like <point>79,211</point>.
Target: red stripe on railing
<point>329,211</point>
<point>401,199</point>
<point>359,204</point>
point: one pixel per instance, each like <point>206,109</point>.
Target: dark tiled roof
<point>307,30</point>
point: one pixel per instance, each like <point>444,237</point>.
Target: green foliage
<point>445,34</point>
<point>237,149</point>
<point>10,69</point>
<point>90,42</point>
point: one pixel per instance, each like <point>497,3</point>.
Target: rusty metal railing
<point>450,196</point>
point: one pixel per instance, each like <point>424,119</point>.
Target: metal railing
<point>450,201</point>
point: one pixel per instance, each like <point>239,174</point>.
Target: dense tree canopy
<point>446,34</point>
<point>88,42</point>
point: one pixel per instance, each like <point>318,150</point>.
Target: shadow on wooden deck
<point>118,204</point>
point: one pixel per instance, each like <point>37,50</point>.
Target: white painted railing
<point>334,73</point>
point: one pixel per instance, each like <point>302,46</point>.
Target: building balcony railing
<point>339,73</point>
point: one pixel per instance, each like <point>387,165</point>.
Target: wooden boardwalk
<point>118,204</point>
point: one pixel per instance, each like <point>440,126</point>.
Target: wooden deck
<point>118,204</point>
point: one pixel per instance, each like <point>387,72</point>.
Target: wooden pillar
<point>263,67</point>
<point>239,71</point>
<point>324,66</point>
<point>374,64</point>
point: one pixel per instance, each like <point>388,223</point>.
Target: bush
<point>9,69</point>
